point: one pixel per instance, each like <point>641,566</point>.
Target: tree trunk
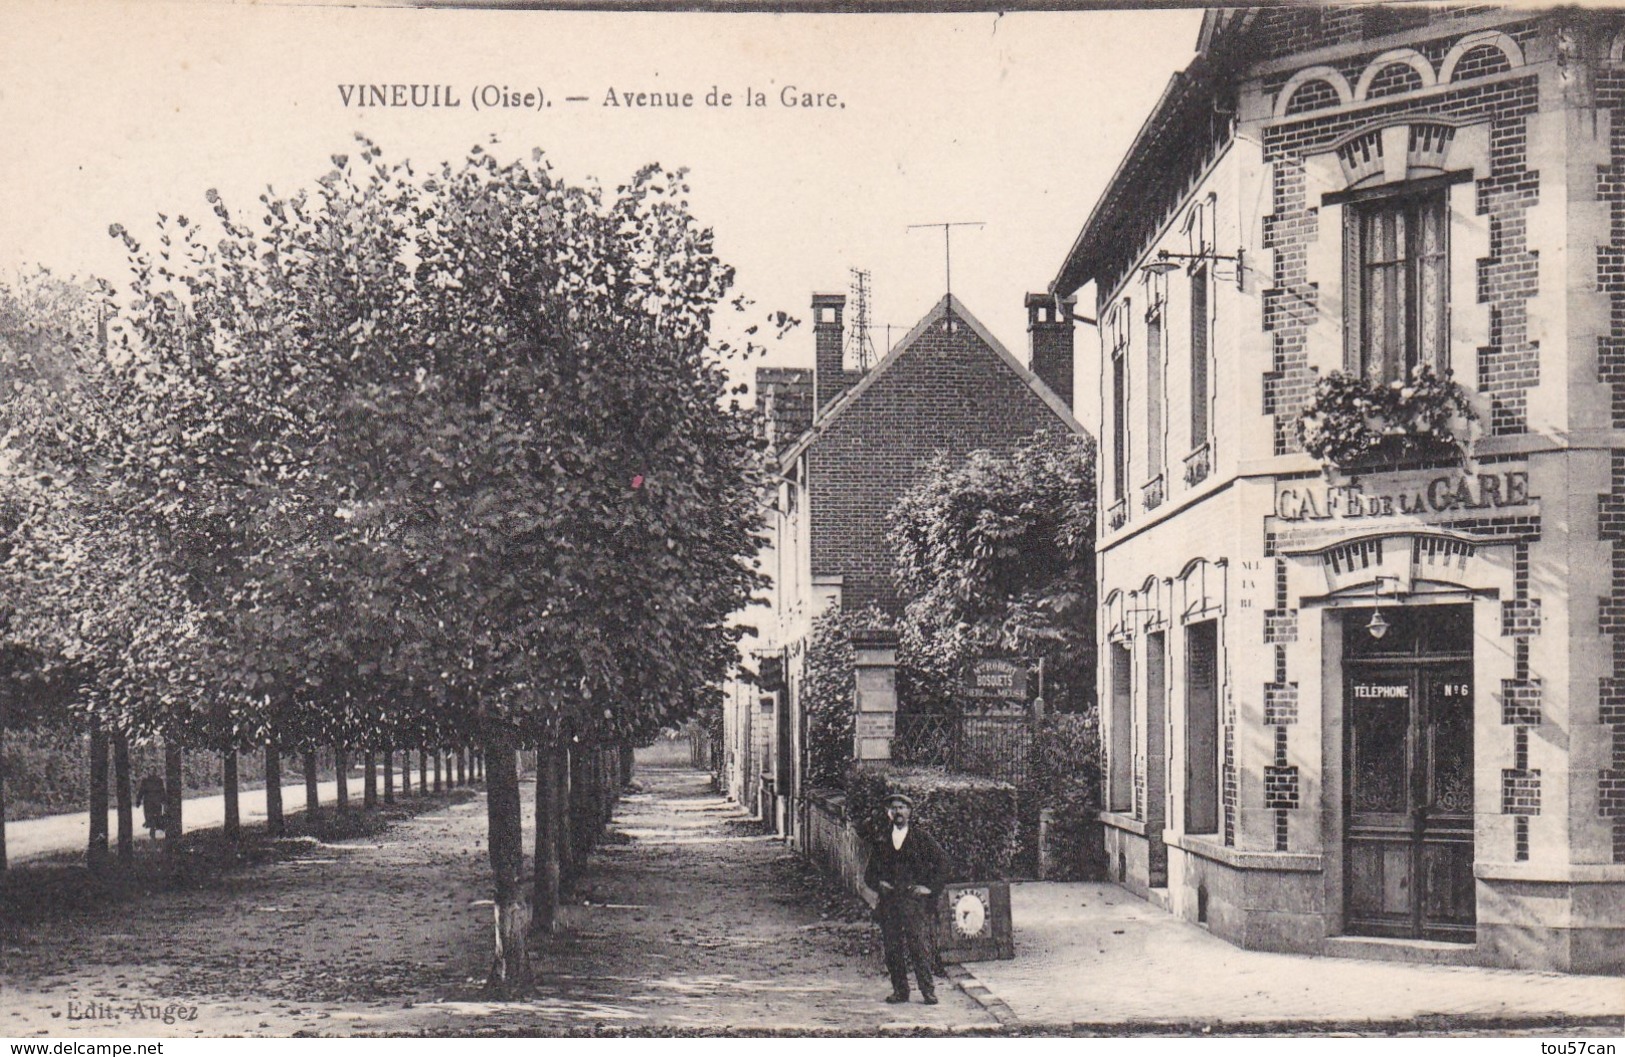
<point>313,795</point>
<point>228,777</point>
<point>548,813</point>
<point>580,808</point>
<point>462,765</point>
<point>96,853</point>
<point>121,795</point>
<point>273,787</point>
<point>2,783</point>
<point>369,781</point>
<point>437,770</point>
<point>423,772</point>
<point>174,780</point>
<point>567,842</point>
<point>626,765</point>
<point>389,775</point>
<point>510,968</point>
<point>602,790</point>
<point>600,794</point>
<point>341,767</point>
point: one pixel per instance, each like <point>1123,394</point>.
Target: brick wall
<point>1611,622</point>
<point>1610,88</point>
<point>1284,31</point>
<point>832,843</point>
<point>1611,255</point>
<point>947,393</point>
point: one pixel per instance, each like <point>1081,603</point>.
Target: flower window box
<point>1354,422</point>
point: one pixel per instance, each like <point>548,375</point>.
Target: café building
<point>1360,289</point>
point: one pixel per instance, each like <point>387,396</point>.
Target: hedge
<point>48,770</point>
<point>973,818</point>
<point>1064,778</point>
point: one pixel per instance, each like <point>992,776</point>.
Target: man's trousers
<point>905,924</point>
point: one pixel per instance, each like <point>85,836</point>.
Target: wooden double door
<point>1408,774</point>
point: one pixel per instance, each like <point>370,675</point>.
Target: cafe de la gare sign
<point>1454,492</point>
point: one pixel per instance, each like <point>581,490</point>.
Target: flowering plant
<point>1350,419</point>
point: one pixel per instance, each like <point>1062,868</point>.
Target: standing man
<point>906,868</point>
<point>150,797</point>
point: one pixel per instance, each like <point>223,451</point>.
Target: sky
<point>114,111</point>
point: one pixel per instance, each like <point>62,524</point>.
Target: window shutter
<point>1199,358</point>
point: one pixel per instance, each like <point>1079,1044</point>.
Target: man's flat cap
<point>899,798</point>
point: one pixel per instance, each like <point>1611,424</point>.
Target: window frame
<point>1121,434</point>
<point>1156,388</point>
<point>1203,734</point>
<point>1201,351</point>
<point>1411,198</point>
<point>1120,745</point>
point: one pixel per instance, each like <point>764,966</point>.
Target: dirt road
<point>695,920</point>
<point>689,919</point>
<point>35,837</point>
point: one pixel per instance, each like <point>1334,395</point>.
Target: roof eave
<point>1216,40</point>
<point>1071,275</point>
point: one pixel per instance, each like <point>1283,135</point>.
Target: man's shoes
<point>930,998</point>
<point>894,997</point>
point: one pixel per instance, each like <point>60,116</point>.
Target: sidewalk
<point>34,837</point>
<point>1096,954</point>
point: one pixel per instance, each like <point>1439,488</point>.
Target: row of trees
<point>400,459</point>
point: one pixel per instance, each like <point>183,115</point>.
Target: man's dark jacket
<point>920,861</point>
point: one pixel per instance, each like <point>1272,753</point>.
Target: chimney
<point>830,379</point>
<point>1049,333</point>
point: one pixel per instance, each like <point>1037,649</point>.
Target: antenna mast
<point>948,257</point>
<point>947,245</point>
<point>860,347</point>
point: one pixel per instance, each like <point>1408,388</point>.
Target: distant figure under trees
<point>150,797</point>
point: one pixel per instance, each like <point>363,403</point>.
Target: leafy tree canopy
<point>996,554</point>
<point>395,454</point>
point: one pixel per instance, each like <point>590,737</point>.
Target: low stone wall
<point>829,840</point>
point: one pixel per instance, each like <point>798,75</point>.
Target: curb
<point>997,1007</point>
<point>1428,1025</point>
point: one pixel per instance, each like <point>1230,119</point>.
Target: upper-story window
<point>1154,433</point>
<point>1199,356</point>
<point>1119,338</point>
<point>1397,252</point>
<point>1119,423</point>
